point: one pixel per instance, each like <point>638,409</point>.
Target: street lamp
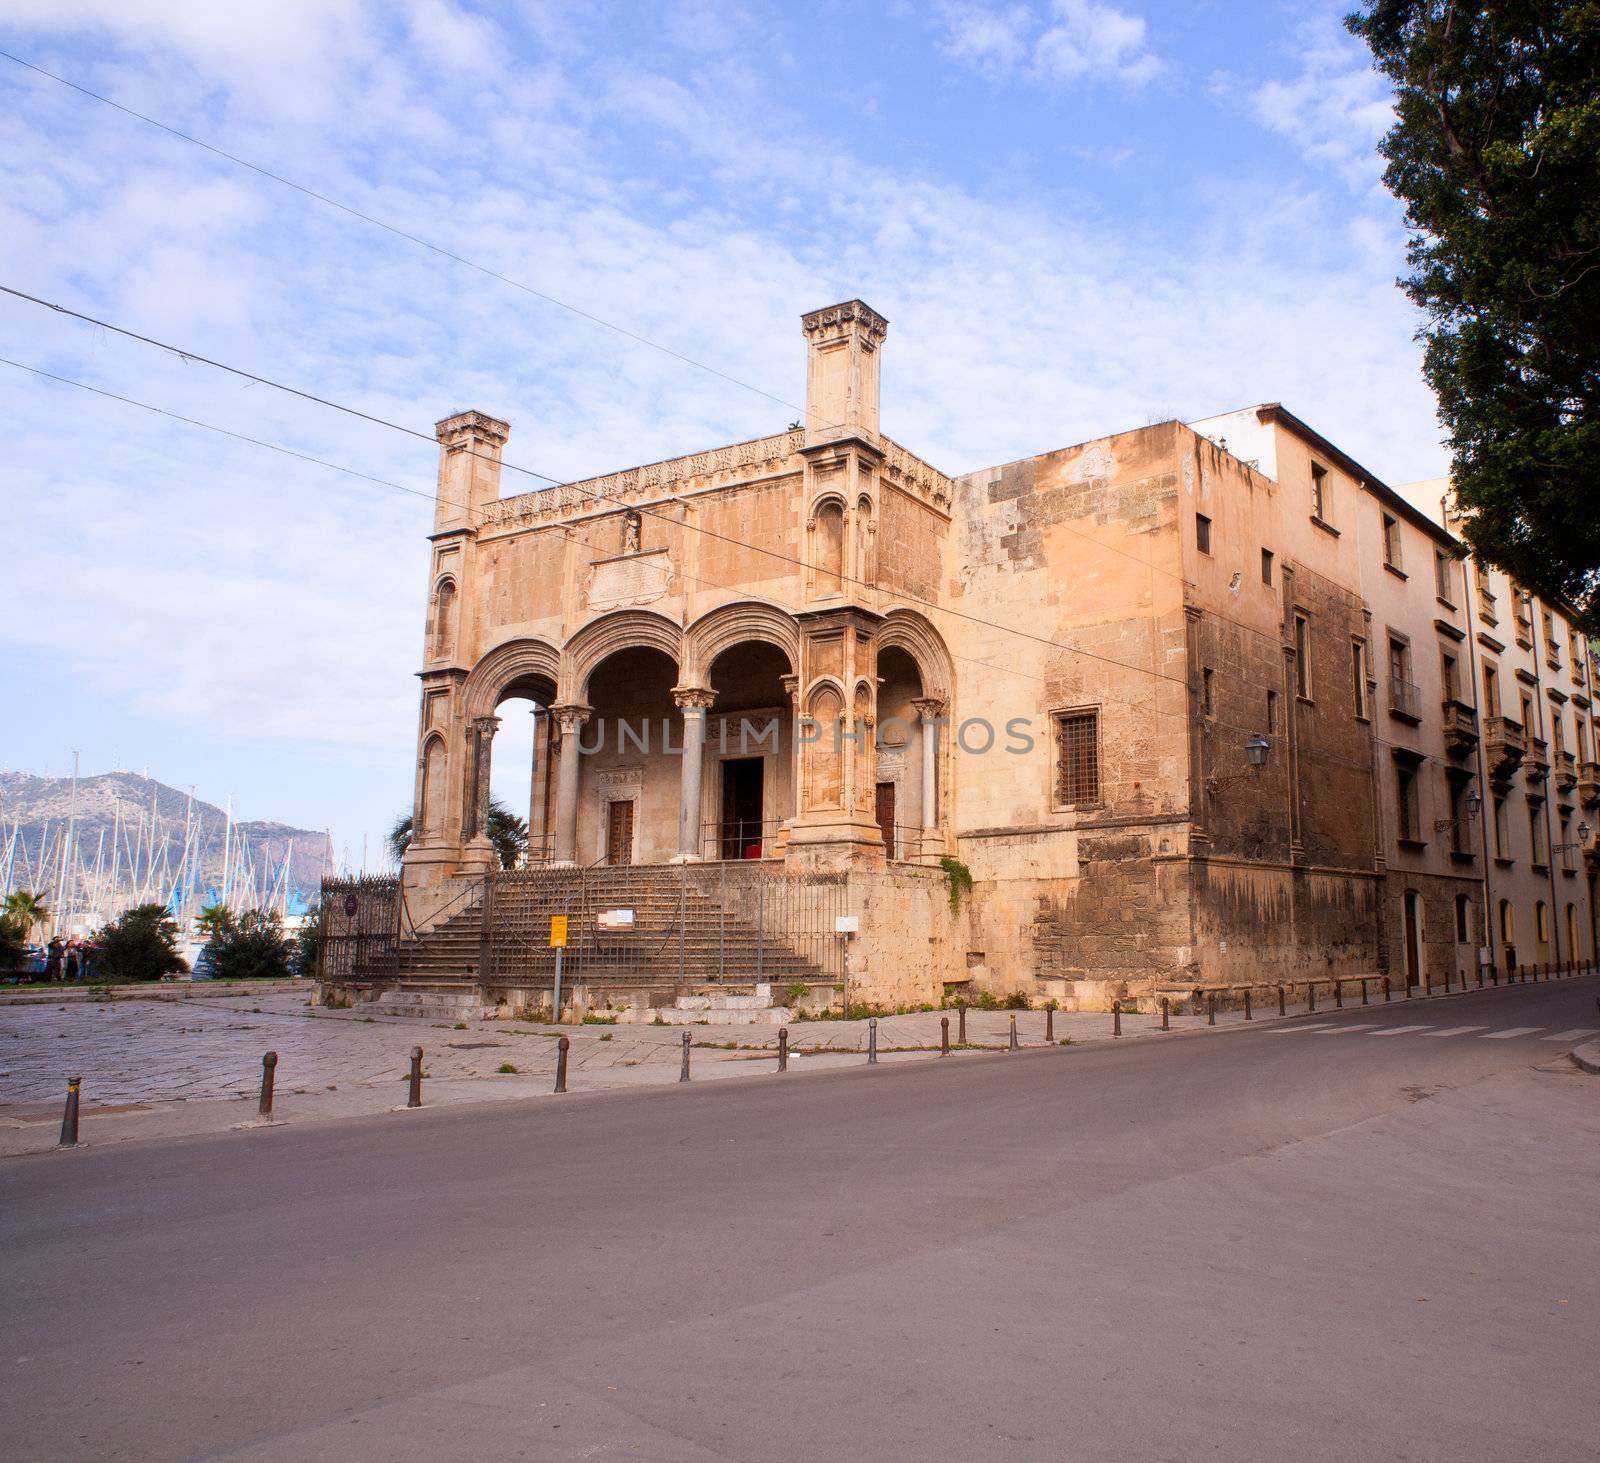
<point>1256,749</point>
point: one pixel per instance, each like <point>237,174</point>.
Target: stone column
<point>483,730</point>
<point>571,720</point>
<point>930,709</point>
<point>693,702</point>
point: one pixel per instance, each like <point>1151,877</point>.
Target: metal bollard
<point>783,1048</point>
<point>1012,1044</point>
<point>1166,1014</point>
<point>1282,1011</point>
<point>1311,995</point>
<point>1050,1024</point>
<point>872,1040</point>
<point>269,1073</point>
<point>1408,987</point>
<point>1363,990</point>
<point>1116,1018</point>
<point>1427,982</point>
<point>1338,994</point>
<point>563,1046</point>
<point>1248,1016</point>
<point>1494,976</point>
<point>944,1036</point>
<point>1211,1008</point>
<point>1386,990</point>
<point>1480,977</point>
<point>683,1076</point>
<point>414,1096</point>
<point>961,1018</point>
<point>69,1115</point>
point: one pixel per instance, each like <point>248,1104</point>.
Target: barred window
<point>1077,757</point>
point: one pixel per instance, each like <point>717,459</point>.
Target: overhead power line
<point>401,233</point>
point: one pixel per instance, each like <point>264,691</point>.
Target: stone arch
<point>521,665</point>
<point>914,634</point>
<point>828,534</point>
<point>823,777</point>
<point>619,630</point>
<point>866,540</point>
<point>733,624</point>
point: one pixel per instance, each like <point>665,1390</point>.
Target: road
<point>1370,1233</point>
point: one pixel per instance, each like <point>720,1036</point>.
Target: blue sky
<point>1078,217</point>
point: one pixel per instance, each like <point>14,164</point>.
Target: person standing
<point>52,959</point>
<point>72,960</point>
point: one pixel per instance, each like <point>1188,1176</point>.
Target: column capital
<point>791,688</point>
<point>486,726</point>
<point>571,717</point>
<point>693,698</point>
<point>931,708</point>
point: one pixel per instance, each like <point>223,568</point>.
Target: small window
<point>1542,921</point>
<point>1391,541</point>
<point>1444,577</point>
<point>1502,836</point>
<point>1319,492</point>
<point>1272,713</point>
<point>1536,832</point>
<point>1077,758</point>
<point>1491,690</point>
<point>1449,676</point>
<point>1266,566</point>
<point>1202,533</point>
<point>1358,672</point>
<point>1508,922</point>
<point>1207,677</point>
<point>1407,813</point>
<point>1302,655</point>
<point>1458,815</point>
<point>1463,920</point>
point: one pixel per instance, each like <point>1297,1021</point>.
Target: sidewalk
<point>168,1068</point>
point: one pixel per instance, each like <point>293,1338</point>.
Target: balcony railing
<point>1505,744</point>
<point>1536,765</point>
<point>1405,699</point>
<point>1460,727</point>
<point>1589,783</point>
<point>1566,771</point>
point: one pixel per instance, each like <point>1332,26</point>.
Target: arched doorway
<point>1413,935</point>
<point>749,752</point>
<point>899,769</point>
<point>630,750</point>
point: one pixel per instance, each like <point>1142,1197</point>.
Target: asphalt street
<point>1365,1234</point>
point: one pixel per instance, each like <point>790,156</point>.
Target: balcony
<point>1566,771</point>
<point>1536,764</point>
<point>1589,783</point>
<point>1460,728</point>
<point>1405,700</point>
<point>1504,745</point>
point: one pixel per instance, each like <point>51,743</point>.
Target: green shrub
<point>508,1067</point>
<point>13,944</point>
<point>140,944</point>
<point>798,992</point>
<point>960,877</point>
<point>253,948</point>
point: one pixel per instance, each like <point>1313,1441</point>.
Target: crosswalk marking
<point>1574,1034</point>
<point>1290,1030</point>
<point>1456,1030</point>
<point>1400,1030</point>
<point>1345,1030</point>
<point>1513,1031</point>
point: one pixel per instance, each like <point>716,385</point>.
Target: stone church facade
<point>1128,688</point>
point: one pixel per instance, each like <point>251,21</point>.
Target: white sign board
<point>847,924</point>
<point>615,919</point>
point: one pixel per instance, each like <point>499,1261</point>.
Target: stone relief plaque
<point>633,579</point>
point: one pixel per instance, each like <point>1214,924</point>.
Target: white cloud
<point>1069,41</point>
<point>1335,110</point>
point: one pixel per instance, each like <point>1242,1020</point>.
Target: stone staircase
<point>697,938</point>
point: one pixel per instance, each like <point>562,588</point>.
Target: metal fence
<point>736,923</point>
<point>360,927</point>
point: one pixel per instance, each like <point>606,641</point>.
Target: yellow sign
<point>558,932</point>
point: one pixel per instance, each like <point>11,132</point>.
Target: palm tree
<point>26,910</point>
<point>507,832</point>
<point>214,919</point>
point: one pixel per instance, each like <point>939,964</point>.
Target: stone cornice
<point>836,320</point>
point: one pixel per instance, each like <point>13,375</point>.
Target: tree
<point>13,943</point>
<point>26,910</point>
<point>215,919</point>
<point>308,944</point>
<point>507,832</point>
<point>140,944</point>
<point>1495,152</point>
<point>254,947</point>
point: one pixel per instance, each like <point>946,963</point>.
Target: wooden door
<point>886,816</point>
<point>619,832</point>
<point>1413,934</point>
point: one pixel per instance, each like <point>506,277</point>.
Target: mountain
<point>134,828</point>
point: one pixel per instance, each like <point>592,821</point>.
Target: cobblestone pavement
<point>168,1067</point>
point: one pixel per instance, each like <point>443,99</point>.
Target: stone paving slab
<point>195,1066</point>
